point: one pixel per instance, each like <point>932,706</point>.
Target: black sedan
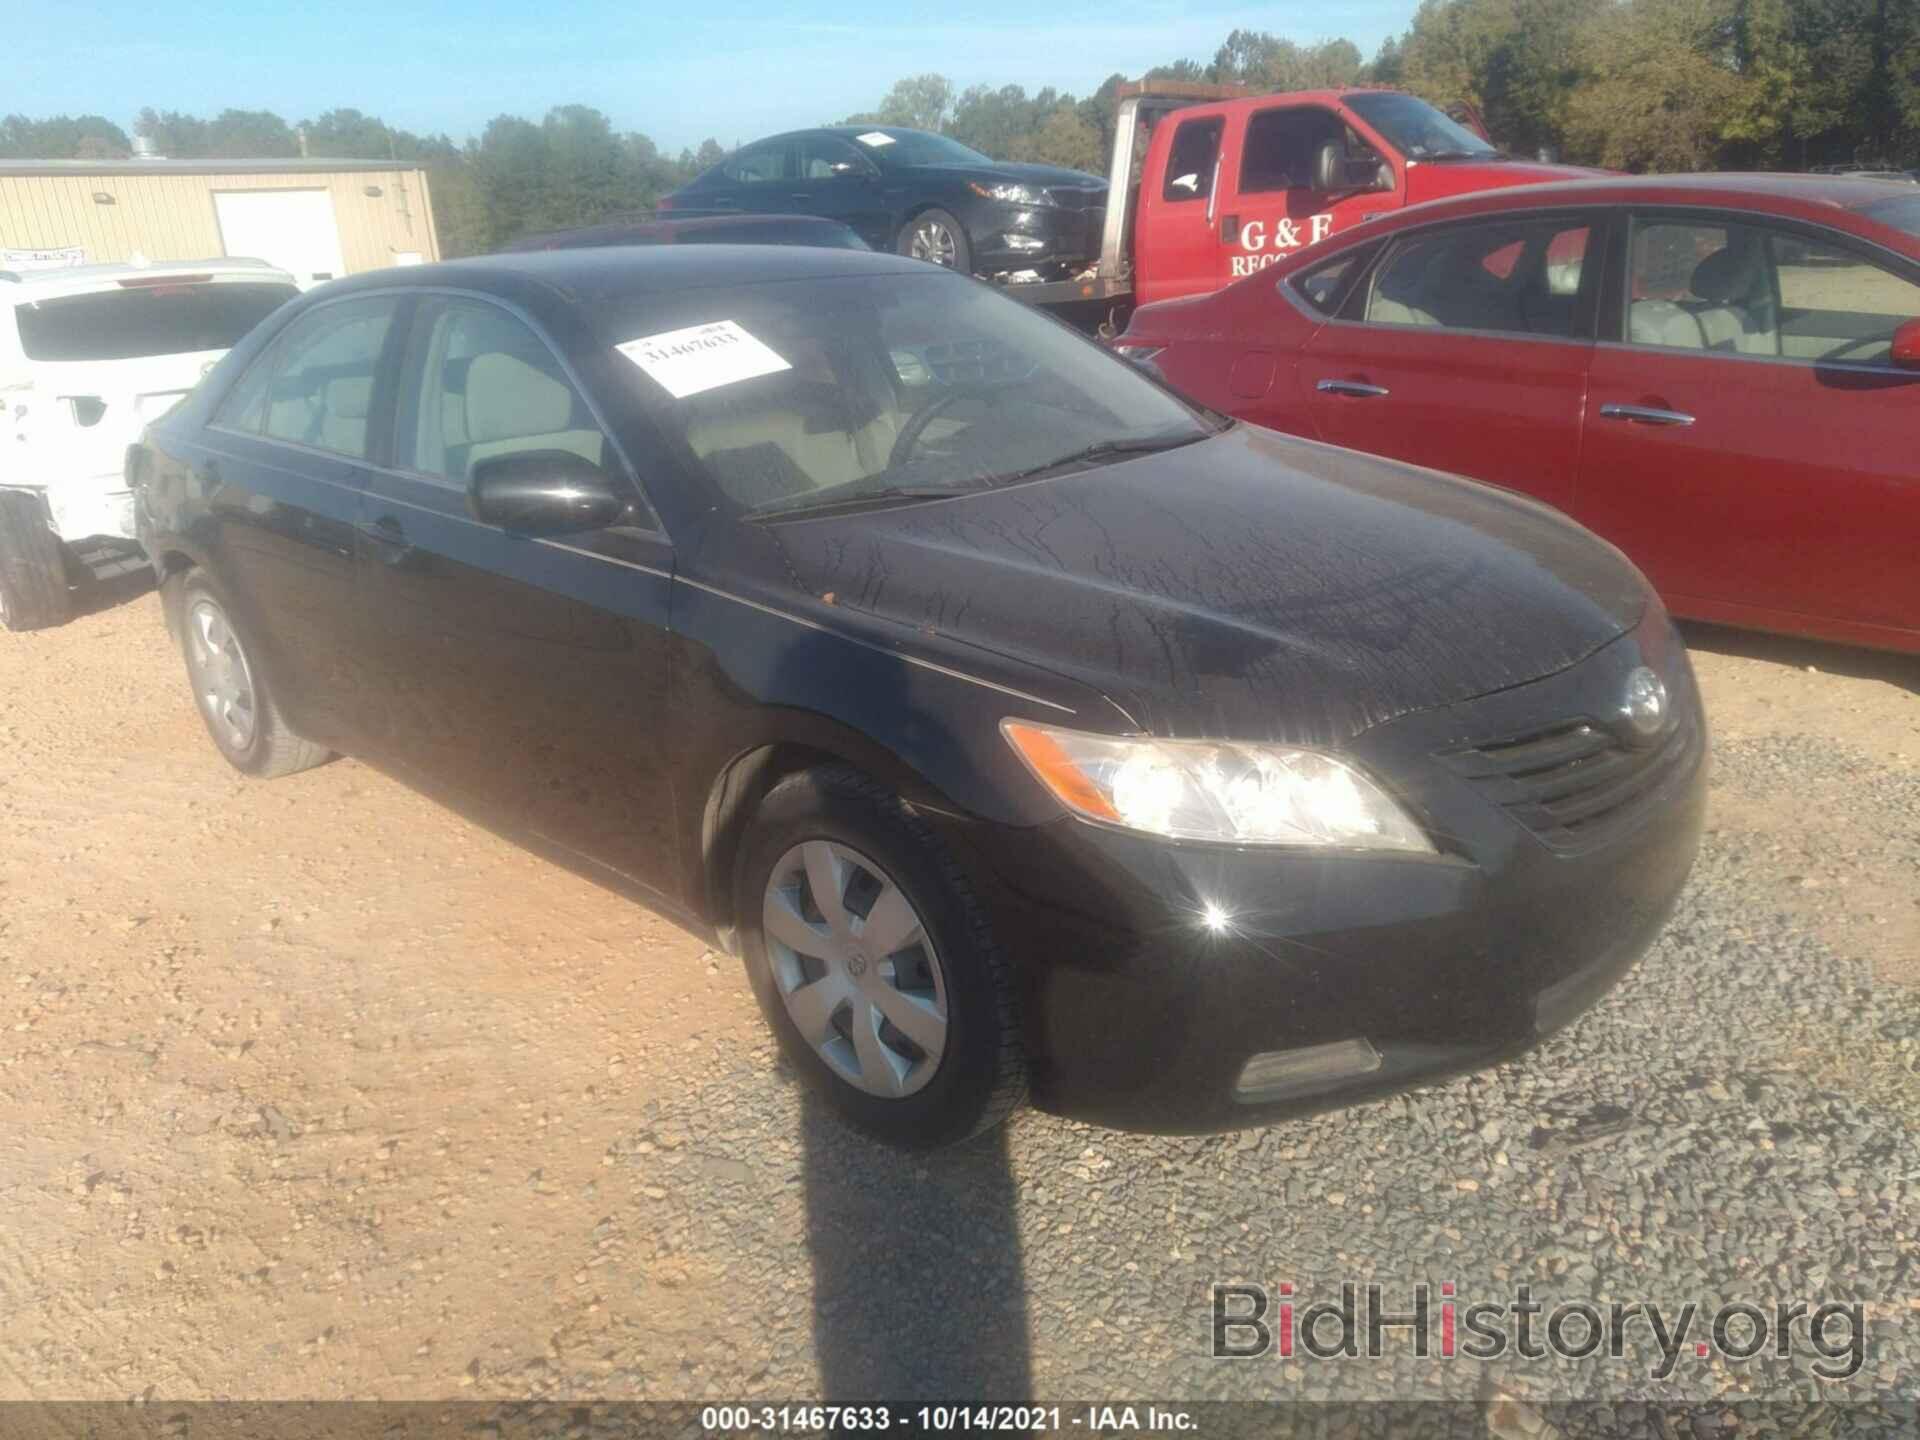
<point>1018,724</point>
<point>915,193</point>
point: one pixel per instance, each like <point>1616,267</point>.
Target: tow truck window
<point>1190,160</point>
<point>1280,147</point>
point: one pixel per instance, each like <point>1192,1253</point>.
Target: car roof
<point>78,279</point>
<point>1807,195</point>
<point>597,273</point>
<point>664,227</point>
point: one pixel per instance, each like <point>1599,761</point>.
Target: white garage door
<point>293,229</point>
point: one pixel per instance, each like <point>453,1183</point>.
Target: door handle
<point>1229,229</point>
<point>1358,389</point>
<point>1645,415</point>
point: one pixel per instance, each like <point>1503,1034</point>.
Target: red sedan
<point>1720,374</point>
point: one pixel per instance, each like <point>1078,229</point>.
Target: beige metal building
<point>316,218</point>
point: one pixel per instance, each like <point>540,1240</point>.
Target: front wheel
<point>33,565</point>
<point>875,964</point>
<point>230,691</point>
<point>935,235</point>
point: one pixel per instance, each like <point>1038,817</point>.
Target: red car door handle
<point>1358,389</point>
<point>1645,415</point>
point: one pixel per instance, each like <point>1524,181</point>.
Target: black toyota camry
<point>915,193</point>
<point>1020,726</point>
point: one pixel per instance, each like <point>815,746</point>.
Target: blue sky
<point>733,69</point>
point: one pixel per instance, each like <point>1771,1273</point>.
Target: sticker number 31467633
<point>702,357</point>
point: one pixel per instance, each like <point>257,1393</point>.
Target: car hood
<point>1250,586</point>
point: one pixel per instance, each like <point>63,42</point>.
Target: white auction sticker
<point>702,357</point>
<point>875,137</point>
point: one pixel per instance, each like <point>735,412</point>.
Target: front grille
<point>1075,197</point>
<point>1576,784</point>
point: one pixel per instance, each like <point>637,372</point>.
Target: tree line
<point>1629,84</point>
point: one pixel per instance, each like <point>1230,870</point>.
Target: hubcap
<point>221,678</point>
<point>855,968</point>
<point>933,241</point>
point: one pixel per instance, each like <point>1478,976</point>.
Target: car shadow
<point>1887,666</point>
<point>93,596</point>
<point>919,1290</point>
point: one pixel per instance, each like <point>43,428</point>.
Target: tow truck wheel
<point>935,235</point>
<point>33,565</point>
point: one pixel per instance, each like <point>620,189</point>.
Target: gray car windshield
<point>886,389</point>
<point>1415,128</point>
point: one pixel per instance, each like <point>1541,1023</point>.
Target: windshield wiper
<point>885,495</point>
<point>1467,155</point>
<point>1101,450</point>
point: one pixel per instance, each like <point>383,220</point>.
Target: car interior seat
<point>1401,294</point>
<point>829,420</point>
<point>1735,305</point>
<point>511,406</point>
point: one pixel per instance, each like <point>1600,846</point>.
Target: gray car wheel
<point>936,236</point>
<point>229,688</point>
<point>874,962</point>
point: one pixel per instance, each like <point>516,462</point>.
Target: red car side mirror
<point>1905,351</point>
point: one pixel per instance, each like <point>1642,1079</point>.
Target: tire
<point>933,234</point>
<point>221,668</point>
<point>980,1075</point>
<point>33,565</point>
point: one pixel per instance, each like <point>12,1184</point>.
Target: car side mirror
<point>543,492</point>
<point>1905,350</point>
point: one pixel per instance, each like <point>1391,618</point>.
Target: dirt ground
<point>312,1088</point>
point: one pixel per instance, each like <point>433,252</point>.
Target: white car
<point>89,355</point>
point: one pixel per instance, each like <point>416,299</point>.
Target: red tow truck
<point>1216,183</point>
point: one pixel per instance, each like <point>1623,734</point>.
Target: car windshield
<point>1902,212</point>
<point>917,147</point>
<point>1416,129</point>
<point>143,320</point>
<point>883,388</point>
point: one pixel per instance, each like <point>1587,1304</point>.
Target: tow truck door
<point>1176,249</point>
<point>1268,205</point>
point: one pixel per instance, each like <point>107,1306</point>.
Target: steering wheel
<point>917,422</point>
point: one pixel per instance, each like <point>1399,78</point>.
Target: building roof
<point>201,167</point>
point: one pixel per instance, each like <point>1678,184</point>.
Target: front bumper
<point>1015,237</point>
<point>1141,1015</point>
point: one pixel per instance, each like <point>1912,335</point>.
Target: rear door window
<point>322,392</point>
<point>136,321</point>
<point>1518,278</point>
<point>757,165</point>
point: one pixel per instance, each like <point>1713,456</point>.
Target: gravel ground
<point>314,1089</point>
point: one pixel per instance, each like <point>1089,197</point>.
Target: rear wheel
<point>935,235</point>
<point>33,565</point>
<point>231,692</point>
<point>874,963</point>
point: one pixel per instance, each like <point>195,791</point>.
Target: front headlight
<point>1011,194</point>
<point>1216,790</point>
